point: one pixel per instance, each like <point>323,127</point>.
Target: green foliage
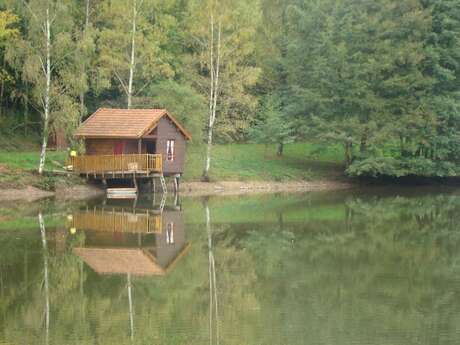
<point>373,77</point>
<point>380,79</point>
<point>272,127</point>
<point>184,103</point>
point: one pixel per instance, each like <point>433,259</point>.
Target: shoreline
<point>87,191</point>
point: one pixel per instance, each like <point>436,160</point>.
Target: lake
<point>357,267</point>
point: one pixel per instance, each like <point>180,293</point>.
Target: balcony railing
<point>117,164</point>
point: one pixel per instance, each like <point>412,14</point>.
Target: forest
<point>379,79</point>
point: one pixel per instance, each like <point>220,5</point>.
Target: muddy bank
<point>27,194</point>
<point>88,191</point>
<point>79,192</point>
<point>236,187</point>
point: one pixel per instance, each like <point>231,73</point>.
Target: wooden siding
<point>106,146</point>
<point>99,146</point>
<point>165,131</point>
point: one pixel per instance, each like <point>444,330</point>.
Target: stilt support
<point>135,183</point>
<point>176,183</point>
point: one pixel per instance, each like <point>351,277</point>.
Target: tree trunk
<point>87,15</point>
<point>26,110</point>
<point>363,145</point>
<point>347,147</point>
<point>132,62</point>
<point>2,89</point>
<point>41,165</point>
<point>82,106</point>
<point>83,66</point>
<point>280,149</point>
<point>214,87</point>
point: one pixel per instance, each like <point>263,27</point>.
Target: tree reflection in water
<point>357,269</point>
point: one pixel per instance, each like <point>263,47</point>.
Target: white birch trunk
<point>87,15</point>
<point>83,67</point>
<point>46,277</point>
<point>214,89</point>
<point>41,165</point>
<point>132,61</point>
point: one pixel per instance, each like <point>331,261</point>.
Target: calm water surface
<point>363,267</point>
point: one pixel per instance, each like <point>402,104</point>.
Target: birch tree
<point>44,23</point>
<point>221,38</point>
<point>214,66</point>
<point>86,50</point>
<point>45,51</point>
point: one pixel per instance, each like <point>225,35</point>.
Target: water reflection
<point>358,269</point>
<point>121,240</point>
<point>131,241</point>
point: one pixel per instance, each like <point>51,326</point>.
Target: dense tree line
<point>379,78</point>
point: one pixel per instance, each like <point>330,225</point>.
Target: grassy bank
<point>254,162</point>
<point>18,169</point>
<point>230,162</point>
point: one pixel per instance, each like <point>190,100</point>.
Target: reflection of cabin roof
<point>135,261</point>
<point>124,123</point>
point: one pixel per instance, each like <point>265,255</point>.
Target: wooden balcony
<point>116,221</point>
<point>117,165</point>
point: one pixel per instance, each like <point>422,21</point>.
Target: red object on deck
<point>118,148</point>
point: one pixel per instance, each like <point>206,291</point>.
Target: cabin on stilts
<point>131,144</point>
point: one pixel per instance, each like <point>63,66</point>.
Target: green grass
<point>255,162</point>
<point>18,169</point>
<point>237,162</point>
<point>29,160</point>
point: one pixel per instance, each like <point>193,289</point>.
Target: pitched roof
<point>124,123</point>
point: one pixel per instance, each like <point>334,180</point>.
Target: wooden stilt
<point>135,183</point>
<point>176,184</point>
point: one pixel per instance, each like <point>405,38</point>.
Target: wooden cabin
<point>136,142</point>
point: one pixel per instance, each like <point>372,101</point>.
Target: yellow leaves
<point>7,29</point>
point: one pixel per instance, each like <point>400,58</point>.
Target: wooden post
<point>139,146</point>
<point>135,182</point>
<point>176,183</point>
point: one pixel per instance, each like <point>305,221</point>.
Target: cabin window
<point>170,233</point>
<point>170,150</point>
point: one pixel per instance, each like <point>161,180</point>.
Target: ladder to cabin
<point>163,184</point>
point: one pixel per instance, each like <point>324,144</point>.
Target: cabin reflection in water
<point>139,242</point>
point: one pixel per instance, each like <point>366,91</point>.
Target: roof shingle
<point>123,123</point>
